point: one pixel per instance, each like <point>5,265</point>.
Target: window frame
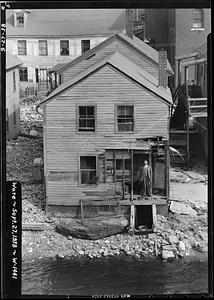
<point>23,75</point>
<point>84,46</point>
<point>46,48</point>
<point>197,20</point>
<point>20,16</point>
<point>67,48</point>
<point>80,170</point>
<point>14,81</point>
<point>77,118</point>
<point>116,118</point>
<point>25,47</point>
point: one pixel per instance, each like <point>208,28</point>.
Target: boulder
<point>181,246</point>
<point>94,228</point>
<point>182,208</point>
<point>166,254</point>
<point>33,132</point>
<point>173,239</point>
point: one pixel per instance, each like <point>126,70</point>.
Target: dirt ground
<point>188,187</point>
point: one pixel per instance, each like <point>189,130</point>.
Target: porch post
<point>115,179</point>
<point>123,174</point>
<point>132,175</point>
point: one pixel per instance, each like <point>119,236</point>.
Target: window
<point>86,118</point>
<point>43,47</point>
<point>22,48</point>
<point>197,19</point>
<point>85,45</point>
<point>20,19</point>
<point>14,115</point>
<point>23,76</point>
<point>14,81</point>
<point>88,169</point>
<point>7,121</point>
<point>125,118</point>
<point>64,47</point>
<point>119,164</point>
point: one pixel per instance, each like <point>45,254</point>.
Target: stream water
<point>114,276</point>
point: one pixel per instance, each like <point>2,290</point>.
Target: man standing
<point>146,179</point>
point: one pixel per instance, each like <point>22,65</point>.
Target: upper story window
<point>20,19</point>
<point>64,47</point>
<point>85,45</point>
<point>22,47</point>
<point>14,81</point>
<point>23,75</point>
<point>197,19</point>
<point>88,169</point>
<point>125,118</point>
<point>86,118</point>
<point>43,47</point>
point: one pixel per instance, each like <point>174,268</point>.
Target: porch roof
<point>130,146</point>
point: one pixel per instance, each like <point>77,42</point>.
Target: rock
<point>202,248</point>
<point>204,236</point>
<point>173,239</point>
<point>60,256</point>
<point>182,208</point>
<point>151,235</point>
<point>33,132</point>
<point>181,254</point>
<point>181,246</point>
<point>169,247</point>
<point>81,252</point>
<point>167,254</point>
<point>94,228</point>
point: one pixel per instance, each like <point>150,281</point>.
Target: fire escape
<point>189,106</point>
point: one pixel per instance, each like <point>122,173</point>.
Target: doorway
<point>138,162</point>
<point>43,78</point>
<point>143,216</point>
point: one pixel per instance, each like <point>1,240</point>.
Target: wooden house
<point>110,113</point>
<point>12,97</point>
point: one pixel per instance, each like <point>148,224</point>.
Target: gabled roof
<point>67,22</point>
<point>12,61</point>
<point>135,43</point>
<point>125,66</point>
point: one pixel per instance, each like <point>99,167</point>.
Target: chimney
<point>162,76</point>
<point>129,22</point>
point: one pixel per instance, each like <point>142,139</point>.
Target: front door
<point>43,78</point>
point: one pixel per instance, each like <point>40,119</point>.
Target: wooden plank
<point>132,170</point>
<point>33,226</point>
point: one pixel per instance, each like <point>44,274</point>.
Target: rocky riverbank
<point>178,235</point>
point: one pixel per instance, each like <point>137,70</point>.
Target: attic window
<point>85,45</point>
<point>197,19</point>
<point>20,19</point>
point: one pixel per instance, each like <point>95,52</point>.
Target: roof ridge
<point>163,93</point>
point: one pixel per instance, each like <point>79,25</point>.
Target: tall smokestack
<point>162,76</point>
<point>130,22</point>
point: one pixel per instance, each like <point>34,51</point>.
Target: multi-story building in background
<point>42,38</point>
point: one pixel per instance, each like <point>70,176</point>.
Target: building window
<point>197,19</point>
<point>88,169</point>
<point>22,48</point>
<point>20,19</point>
<point>125,118</point>
<point>86,118</point>
<point>14,115</point>
<point>23,76</point>
<point>43,47</point>
<point>127,164</point>
<point>85,45</point>
<point>64,47</point>
<point>7,121</point>
<point>14,81</point>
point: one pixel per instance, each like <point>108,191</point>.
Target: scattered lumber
<point>33,226</point>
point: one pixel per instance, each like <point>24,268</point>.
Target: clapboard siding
<point>134,56</point>
<point>64,145</point>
